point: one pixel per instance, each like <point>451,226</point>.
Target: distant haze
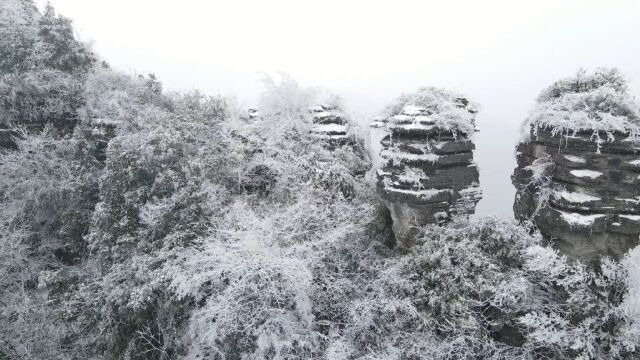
<point>499,53</point>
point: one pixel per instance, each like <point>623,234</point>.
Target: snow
<point>579,219</point>
<point>575,159</point>
<point>576,197</point>
<point>444,107</point>
<point>424,119</point>
<point>415,127</point>
<point>631,217</point>
<point>402,118</point>
<point>586,173</point>
<point>424,147</point>
<point>329,137</point>
<point>635,162</point>
<point>322,114</point>
<point>106,122</point>
<point>325,128</point>
<point>410,179</point>
<point>440,215</point>
<point>389,154</point>
<point>421,194</point>
<point>413,110</point>
<point>570,106</point>
<point>636,200</point>
<point>470,190</point>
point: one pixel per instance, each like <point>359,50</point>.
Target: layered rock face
<point>428,173</point>
<point>578,174</point>
<point>329,123</point>
<point>583,195</point>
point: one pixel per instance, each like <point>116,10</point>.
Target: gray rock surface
<point>583,197</point>
<point>329,124</point>
<point>428,174</point>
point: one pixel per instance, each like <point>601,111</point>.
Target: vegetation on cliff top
<point>595,102</point>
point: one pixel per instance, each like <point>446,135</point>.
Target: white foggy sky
<point>499,53</point>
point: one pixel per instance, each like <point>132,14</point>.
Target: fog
<point>499,53</point>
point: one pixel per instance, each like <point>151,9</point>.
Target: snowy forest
<point>138,223</point>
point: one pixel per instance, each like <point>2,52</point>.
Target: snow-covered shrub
<point>112,97</point>
<point>281,147</point>
<point>267,277</point>
<point>583,319</point>
<point>486,289</point>
<point>540,182</point>
<point>47,194</point>
<point>597,103</point>
<point>446,299</point>
<point>38,96</point>
<point>48,188</point>
<point>56,46</point>
<point>42,65</point>
<point>286,99</point>
<point>18,29</point>
<point>630,306</point>
<point>167,175</point>
<point>446,109</point>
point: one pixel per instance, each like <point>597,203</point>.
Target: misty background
<point>499,53</point>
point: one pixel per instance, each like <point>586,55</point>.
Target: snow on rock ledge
<point>427,173</point>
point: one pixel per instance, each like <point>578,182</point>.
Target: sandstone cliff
<point>428,174</point>
<point>329,123</point>
<point>578,174</point>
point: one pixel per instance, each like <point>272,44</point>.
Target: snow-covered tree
<point>42,65</point>
<point>47,196</point>
<point>597,102</point>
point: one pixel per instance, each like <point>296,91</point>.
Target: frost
<point>579,219</point>
<point>575,159</point>
<point>586,173</point>
<point>401,118</point>
<point>420,194</point>
<point>413,110</point>
<point>328,128</point>
<point>403,156</point>
<point>631,217</point>
<point>430,108</point>
<point>576,197</point>
<point>636,200</point>
<point>597,103</point>
<point>187,231</point>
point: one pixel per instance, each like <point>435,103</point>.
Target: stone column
<point>329,123</point>
<point>428,173</point>
<point>583,195</point>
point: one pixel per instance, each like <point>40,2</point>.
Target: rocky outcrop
<point>428,173</point>
<point>329,124</point>
<point>578,169</point>
<point>583,195</point>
